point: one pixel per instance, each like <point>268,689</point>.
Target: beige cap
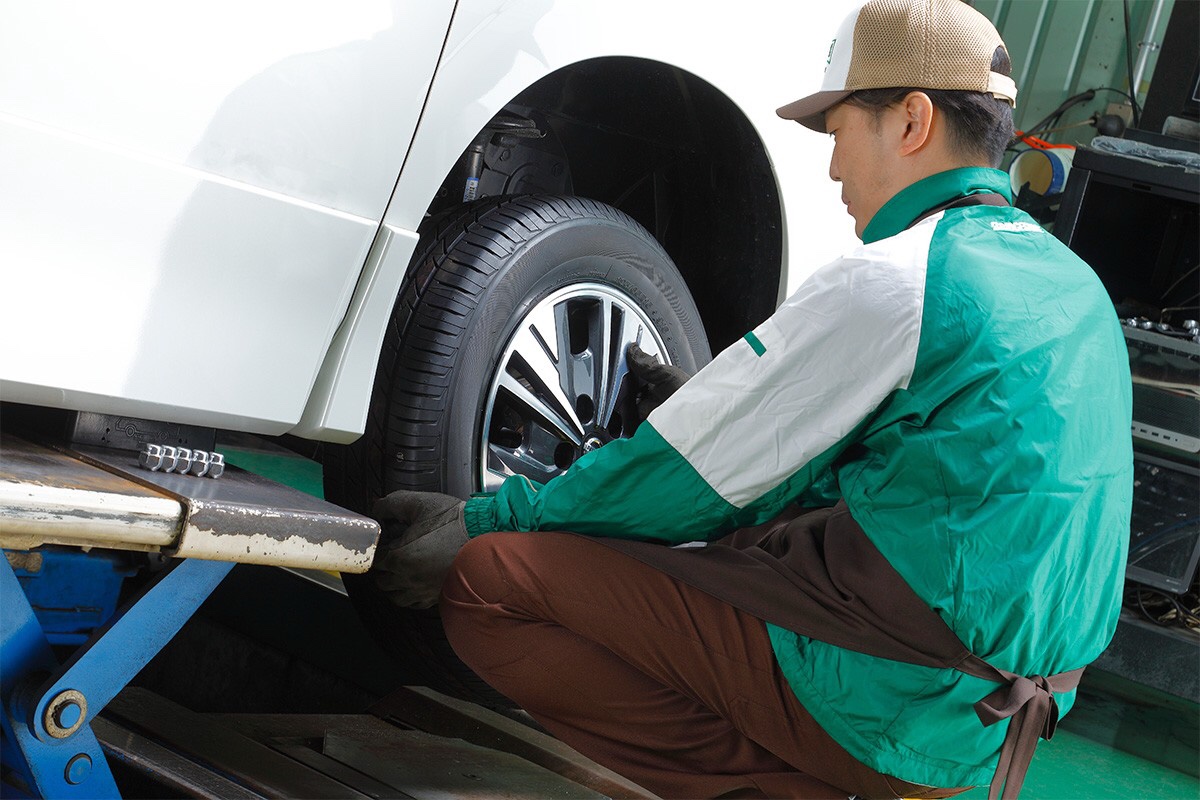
<point>925,44</point>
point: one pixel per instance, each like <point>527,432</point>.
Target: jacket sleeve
<point>757,428</point>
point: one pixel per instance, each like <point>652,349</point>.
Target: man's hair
<point>980,125</point>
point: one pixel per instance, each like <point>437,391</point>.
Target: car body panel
<point>517,44</point>
<point>188,195</point>
<point>208,250</point>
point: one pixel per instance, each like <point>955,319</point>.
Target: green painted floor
<point>1069,767</point>
<point>280,466</point>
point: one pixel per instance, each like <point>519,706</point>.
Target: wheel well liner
<point>676,154</point>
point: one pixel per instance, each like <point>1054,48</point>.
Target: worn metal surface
<point>389,759</point>
<point>436,713</point>
<point>440,768</point>
<point>65,714</point>
<point>171,769</point>
<point>456,751</point>
<point>50,497</point>
<point>201,738</point>
<point>335,769</point>
<point>27,562</point>
<point>299,736</point>
<point>246,518</point>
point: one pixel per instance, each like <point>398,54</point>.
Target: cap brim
<point>810,111</point>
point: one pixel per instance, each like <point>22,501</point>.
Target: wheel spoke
<point>557,386</point>
<point>495,470</point>
<point>629,330</point>
<point>547,329</point>
<point>603,355</point>
<point>557,417</point>
<point>503,463</point>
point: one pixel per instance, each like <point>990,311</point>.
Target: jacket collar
<point>912,201</point>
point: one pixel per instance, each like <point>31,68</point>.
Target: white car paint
<point>206,211</point>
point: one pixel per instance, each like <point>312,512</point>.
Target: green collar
<point>913,201</point>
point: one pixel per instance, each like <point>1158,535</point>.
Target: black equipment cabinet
<point>1137,223</point>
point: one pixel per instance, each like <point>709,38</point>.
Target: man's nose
<point>834,173</point>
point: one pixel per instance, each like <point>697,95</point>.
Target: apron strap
<point>1030,704</point>
<point>816,572</point>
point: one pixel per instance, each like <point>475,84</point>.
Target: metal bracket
<point>49,724</point>
<point>62,767</point>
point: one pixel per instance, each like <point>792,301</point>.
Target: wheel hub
<point>560,389</point>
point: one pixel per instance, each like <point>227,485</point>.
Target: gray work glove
<point>422,532</point>
<point>656,382</point>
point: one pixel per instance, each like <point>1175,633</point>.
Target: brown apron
<point>815,572</point>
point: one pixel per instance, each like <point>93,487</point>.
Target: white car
<point>421,231</point>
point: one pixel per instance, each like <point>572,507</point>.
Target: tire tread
<point>458,256</point>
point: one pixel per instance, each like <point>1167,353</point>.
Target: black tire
<point>478,273</point>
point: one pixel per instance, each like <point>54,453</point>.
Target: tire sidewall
<point>573,251</point>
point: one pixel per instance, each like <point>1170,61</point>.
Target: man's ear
<point>917,116</point>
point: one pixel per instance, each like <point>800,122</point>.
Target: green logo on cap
<point>829,57</point>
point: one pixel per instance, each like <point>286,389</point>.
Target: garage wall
<point>1062,47</point>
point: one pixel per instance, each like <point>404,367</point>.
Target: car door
<point>188,193</point>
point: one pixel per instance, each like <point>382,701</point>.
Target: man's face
<point>861,161</point>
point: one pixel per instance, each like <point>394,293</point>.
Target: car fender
<point>760,54</point>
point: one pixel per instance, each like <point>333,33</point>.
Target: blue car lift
<point>48,742</point>
<point>56,505</point>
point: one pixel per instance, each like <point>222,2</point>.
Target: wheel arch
<point>675,153</point>
<point>651,139</point>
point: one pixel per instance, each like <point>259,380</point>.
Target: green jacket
<point>963,384</point>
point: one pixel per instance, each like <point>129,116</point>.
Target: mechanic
<point>914,478</point>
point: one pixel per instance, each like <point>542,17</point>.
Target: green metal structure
<point>1060,48</point>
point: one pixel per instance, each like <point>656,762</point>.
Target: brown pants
<point>655,680</point>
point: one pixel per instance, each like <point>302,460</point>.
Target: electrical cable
<point>1178,281</point>
<point>1047,123</point>
<point>1185,305</point>
<point>1057,113</point>
<point>1051,122</point>
<point>1129,64</point>
<point>1059,128</point>
<point>1164,609</point>
<point>1121,92</point>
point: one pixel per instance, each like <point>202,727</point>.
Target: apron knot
<point>1030,704</point>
